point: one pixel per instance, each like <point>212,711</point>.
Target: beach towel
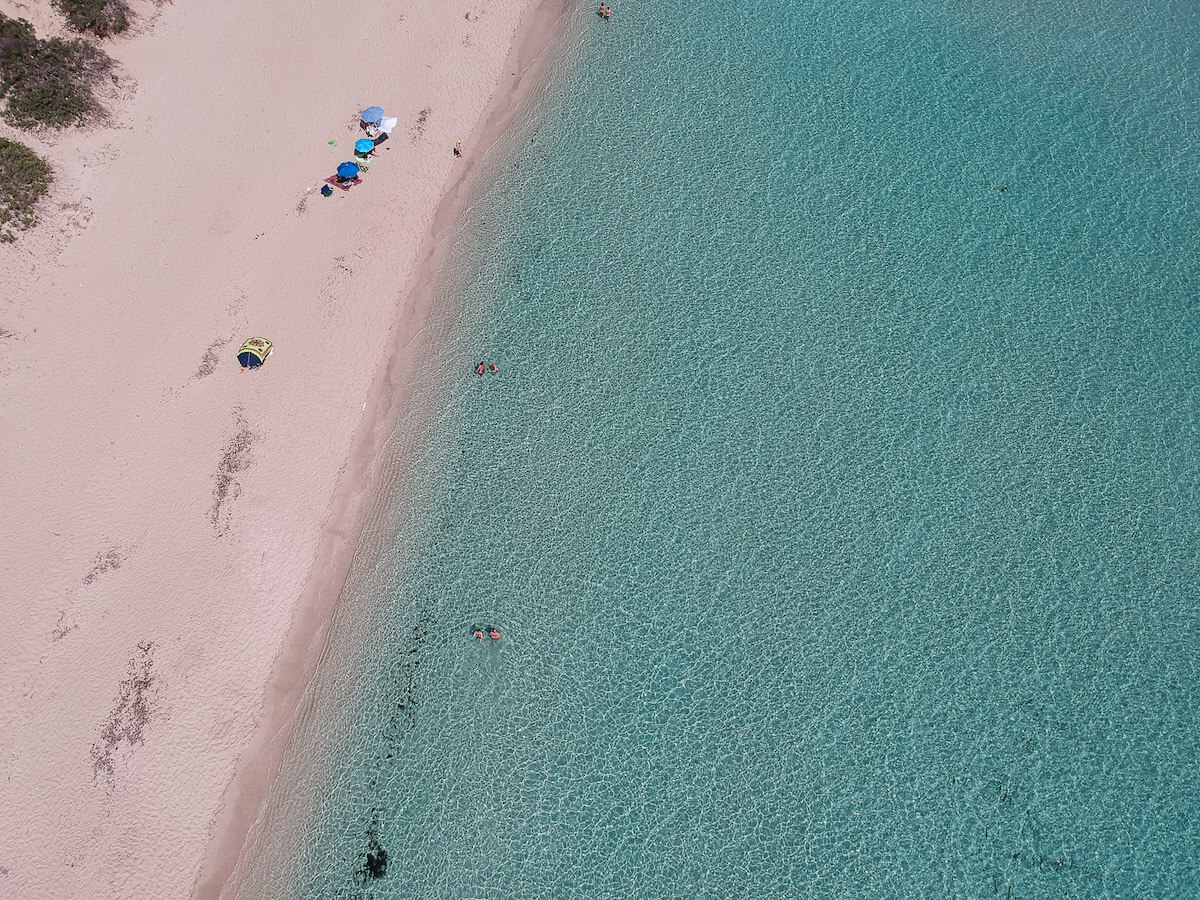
<point>332,180</point>
<point>387,125</point>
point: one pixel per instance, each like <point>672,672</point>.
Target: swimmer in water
<point>493,633</point>
<point>478,634</point>
<point>492,367</point>
<point>480,369</point>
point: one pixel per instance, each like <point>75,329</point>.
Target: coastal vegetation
<point>24,179</point>
<point>47,82</point>
<point>102,18</point>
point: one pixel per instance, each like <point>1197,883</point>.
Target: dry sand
<point>175,531</point>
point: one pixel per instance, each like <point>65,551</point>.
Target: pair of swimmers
<point>605,11</point>
<point>490,630</point>
<point>486,367</point>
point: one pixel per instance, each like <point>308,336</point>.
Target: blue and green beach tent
<point>254,352</point>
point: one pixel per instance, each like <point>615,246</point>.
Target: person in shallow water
<point>493,633</point>
<point>478,634</point>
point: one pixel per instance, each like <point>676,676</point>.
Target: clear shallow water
<point>837,497</point>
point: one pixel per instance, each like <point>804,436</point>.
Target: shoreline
<point>357,492</point>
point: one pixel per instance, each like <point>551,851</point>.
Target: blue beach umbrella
<point>373,115</point>
<point>347,170</point>
<point>364,145</point>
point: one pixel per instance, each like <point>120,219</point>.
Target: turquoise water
<point>837,496</point>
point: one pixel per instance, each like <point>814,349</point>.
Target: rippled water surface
<point>837,493</point>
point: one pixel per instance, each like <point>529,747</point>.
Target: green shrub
<point>24,179</point>
<point>17,41</point>
<point>47,82</point>
<point>101,17</point>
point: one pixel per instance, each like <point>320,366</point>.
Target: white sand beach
<point>176,531</point>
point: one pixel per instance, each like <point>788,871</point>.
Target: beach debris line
<point>211,359</point>
<point>126,725</point>
<point>235,459</point>
<point>254,352</point>
<point>105,561</point>
<point>422,119</point>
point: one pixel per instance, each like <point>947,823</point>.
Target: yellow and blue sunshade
<point>254,352</point>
